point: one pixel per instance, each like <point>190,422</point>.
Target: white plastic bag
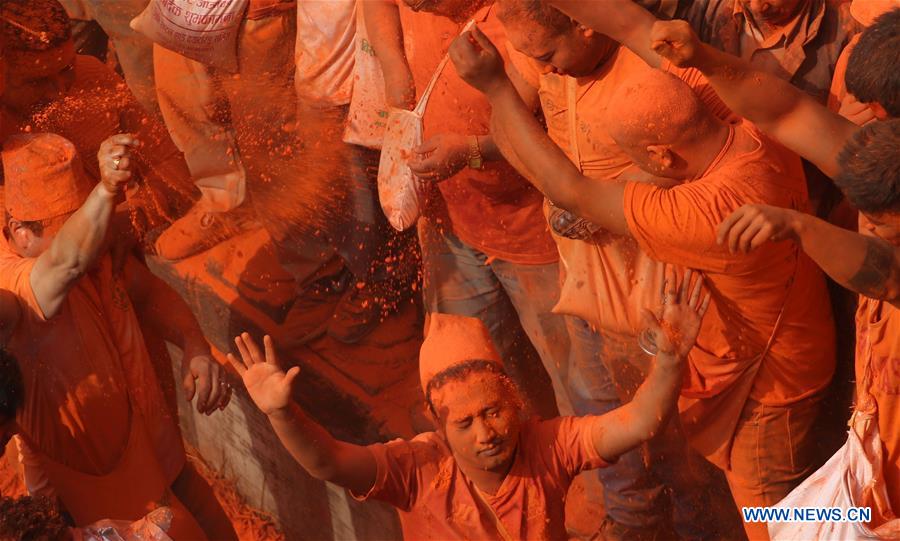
<point>399,190</point>
<point>851,478</point>
<point>367,119</point>
<point>202,30</point>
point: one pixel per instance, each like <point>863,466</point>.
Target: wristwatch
<point>475,159</point>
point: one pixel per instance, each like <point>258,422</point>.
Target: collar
<point>721,155</point>
<point>791,38</point>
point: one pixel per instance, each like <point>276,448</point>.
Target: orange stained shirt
<point>494,210</point>
<point>749,291</point>
<point>81,368</point>
<point>437,501</point>
<point>878,352</point>
<point>607,281</point>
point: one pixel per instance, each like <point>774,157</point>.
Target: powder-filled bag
<point>202,30</point>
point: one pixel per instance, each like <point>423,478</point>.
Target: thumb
<point>483,41</point>
<point>291,376</point>
<point>427,146</point>
<point>189,386</point>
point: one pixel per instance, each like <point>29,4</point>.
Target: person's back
<point>770,336</point>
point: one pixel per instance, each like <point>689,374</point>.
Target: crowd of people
<point>686,211</point>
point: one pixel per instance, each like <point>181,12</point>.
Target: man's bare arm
<point>320,454</point>
<point>526,145</point>
<point>386,36</point>
<point>639,420</point>
<point>82,237</point>
<point>864,264</point>
<point>780,110</point>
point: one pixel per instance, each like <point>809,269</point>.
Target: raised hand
<point>675,41</point>
<point>675,332</point>
<point>751,226</point>
<point>477,60</point>
<point>114,158</point>
<point>269,386</point>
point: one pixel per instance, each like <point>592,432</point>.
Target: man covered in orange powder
<point>766,353</point>
<point>95,428</point>
<point>487,472</point>
<point>863,162</point>
<point>51,88</point>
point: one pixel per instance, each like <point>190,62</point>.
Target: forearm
<point>866,265</point>
<point>386,37</point>
<point>641,419</point>
<point>622,20</point>
<point>320,454</point>
<point>82,237</point>
<point>528,148</point>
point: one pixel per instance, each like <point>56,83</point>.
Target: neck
<point>708,149</point>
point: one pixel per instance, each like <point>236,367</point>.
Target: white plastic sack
<point>202,30</point>
<point>399,190</point>
<point>152,527</point>
<point>368,113</point>
<point>851,478</point>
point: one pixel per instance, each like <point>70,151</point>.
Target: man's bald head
<point>653,112</point>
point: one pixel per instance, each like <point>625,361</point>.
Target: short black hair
<point>461,371</point>
<point>34,25</point>
<point>536,11</point>
<point>872,74</point>
<point>870,168</point>
<point>12,388</point>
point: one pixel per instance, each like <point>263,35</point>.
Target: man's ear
<point>878,111</point>
<point>661,155</point>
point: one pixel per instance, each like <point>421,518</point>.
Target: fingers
<point>724,228</point>
<point>704,306</point>
<point>734,234</point>
<point>428,146</point>
<point>238,365</point>
<point>252,348</point>
<point>762,236</point>
<point>483,41</point>
<point>670,286</point>
<point>685,285</point>
<point>745,240</point>
<point>225,398</point>
<point>125,139</point>
<point>216,389</point>
<point>695,295</point>
<point>204,388</point>
<point>242,349</point>
<point>269,345</point>
<point>188,384</point>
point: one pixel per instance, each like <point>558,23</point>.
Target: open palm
<point>268,384</point>
<point>683,308</point>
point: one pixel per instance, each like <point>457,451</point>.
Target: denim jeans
<point>514,301</point>
<point>606,370</point>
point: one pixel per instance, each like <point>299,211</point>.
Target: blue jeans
<point>514,301</point>
<point>605,372</point>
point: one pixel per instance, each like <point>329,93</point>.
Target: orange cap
<point>44,177</point>
<point>866,11</point>
<point>451,340</point>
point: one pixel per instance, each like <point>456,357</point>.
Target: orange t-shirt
<point>494,210</point>
<point>609,280</point>
<point>437,501</point>
<point>79,369</point>
<point>749,291</point>
<point>878,350</point>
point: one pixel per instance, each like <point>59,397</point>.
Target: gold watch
<point>475,158</point>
